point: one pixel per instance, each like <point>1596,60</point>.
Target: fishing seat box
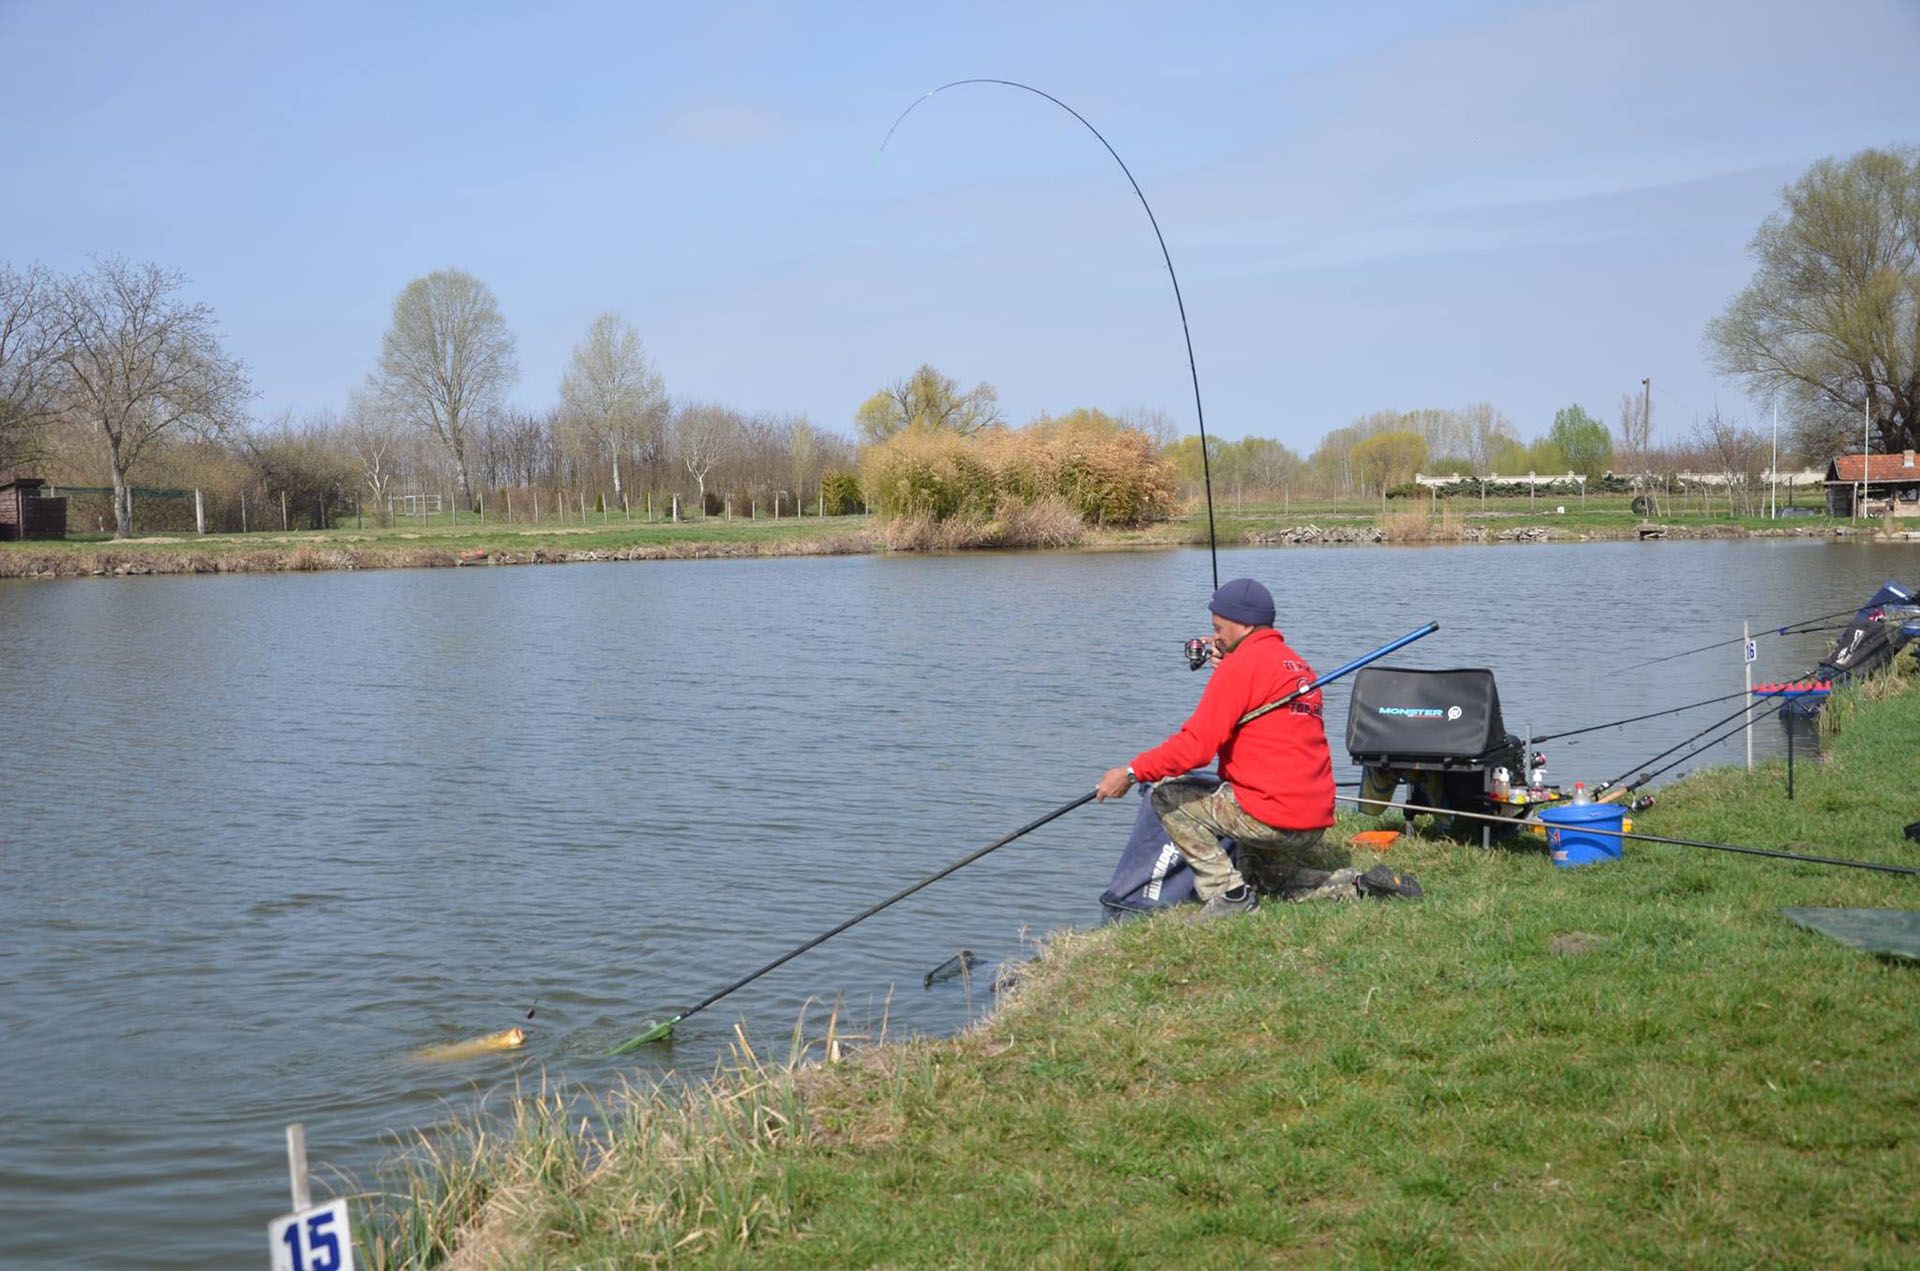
<point>1429,721</point>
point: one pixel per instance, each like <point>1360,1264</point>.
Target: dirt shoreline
<point>131,560</point>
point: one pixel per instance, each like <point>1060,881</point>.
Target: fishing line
<point>1206,465</point>
<point>663,1028</point>
<point>1674,710</point>
<point>1792,628</point>
<point>1718,723</point>
<point>1646,777</point>
<point>1877,866</point>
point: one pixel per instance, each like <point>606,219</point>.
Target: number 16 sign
<point>312,1240</point>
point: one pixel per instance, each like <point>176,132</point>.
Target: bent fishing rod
<point>662,1029</point>
<point>1623,834</point>
<point>1200,414</point>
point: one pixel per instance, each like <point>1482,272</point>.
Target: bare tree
<point>375,442</point>
<point>137,364</point>
<point>612,390</point>
<point>1154,422</point>
<point>1738,453</point>
<point>803,453</point>
<point>1489,434</point>
<point>445,361</point>
<point>28,342</point>
<point>1636,433</point>
<point>704,436</point>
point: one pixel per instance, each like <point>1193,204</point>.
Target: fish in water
<point>959,964</point>
<point>473,1048</point>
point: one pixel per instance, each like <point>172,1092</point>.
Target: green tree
<point>927,399</point>
<point>1509,457</point>
<point>1582,440</point>
<point>1390,459</point>
<point>1546,458</point>
<point>840,493</point>
<point>1830,323</point>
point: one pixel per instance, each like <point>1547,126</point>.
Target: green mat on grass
<point>1891,933</point>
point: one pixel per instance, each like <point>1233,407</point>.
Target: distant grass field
<point>439,539</point>
<point>1639,1062</point>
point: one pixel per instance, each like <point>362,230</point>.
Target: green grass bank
<point>440,542</point>
<point>1639,1062</point>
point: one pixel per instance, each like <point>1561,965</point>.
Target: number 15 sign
<point>312,1240</point>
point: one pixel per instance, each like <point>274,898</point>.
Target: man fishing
<point>1275,794</point>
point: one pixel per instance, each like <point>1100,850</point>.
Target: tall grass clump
<point>1847,701</point>
<point>646,1173</point>
<point>1417,524</point>
<point>1035,486</point>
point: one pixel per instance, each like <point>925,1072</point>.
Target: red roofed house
<point>1892,484</point>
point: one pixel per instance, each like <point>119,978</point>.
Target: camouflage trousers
<point>1197,814</point>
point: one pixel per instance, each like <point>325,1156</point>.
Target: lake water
<point>265,835</point>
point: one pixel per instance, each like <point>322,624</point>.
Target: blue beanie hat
<point>1244,600</point>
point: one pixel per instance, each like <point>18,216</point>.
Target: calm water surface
<point>265,835</point>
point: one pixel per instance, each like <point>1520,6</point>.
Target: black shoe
<point>1387,883</point>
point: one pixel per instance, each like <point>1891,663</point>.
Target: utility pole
<point>1866,449</point>
<point>1646,428</point>
<point>1773,472</point>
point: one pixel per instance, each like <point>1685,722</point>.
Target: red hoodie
<point>1278,765</point>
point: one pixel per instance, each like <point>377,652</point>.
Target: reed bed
<point>1106,477</point>
<point>1419,525</point>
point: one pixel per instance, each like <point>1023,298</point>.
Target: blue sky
<point>1387,205</point>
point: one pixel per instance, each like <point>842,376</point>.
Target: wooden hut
<point>1887,483</point>
<point>26,513</point>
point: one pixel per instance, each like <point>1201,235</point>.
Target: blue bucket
<point>1568,841</point>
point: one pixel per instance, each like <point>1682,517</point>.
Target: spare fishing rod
<point>1646,778</point>
<point>1642,780</point>
<point>1802,627</point>
<point>662,1029</point>
<point>1587,828</point>
<point>1635,719</point>
<point>1200,414</point>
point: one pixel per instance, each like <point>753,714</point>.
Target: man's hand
<point>1114,783</point>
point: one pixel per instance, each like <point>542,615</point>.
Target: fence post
<point>1746,655</point>
<point>243,511</point>
<point>297,1166</point>
<point>199,512</point>
<point>283,511</point>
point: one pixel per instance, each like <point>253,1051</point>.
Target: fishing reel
<point>1199,651</point>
